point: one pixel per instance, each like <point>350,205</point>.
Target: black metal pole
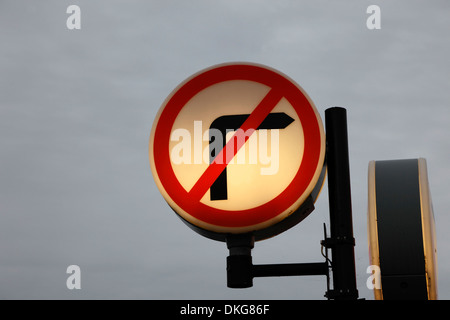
<point>341,240</point>
<point>239,262</point>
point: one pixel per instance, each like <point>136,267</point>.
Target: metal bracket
<point>241,270</point>
<point>332,242</point>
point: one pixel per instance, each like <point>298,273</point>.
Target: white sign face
<point>237,148</point>
<point>256,163</point>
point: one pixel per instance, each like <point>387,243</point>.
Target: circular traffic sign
<point>402,241</point>
<point>238,148</point>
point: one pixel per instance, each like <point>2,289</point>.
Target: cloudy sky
<point>77,106</point>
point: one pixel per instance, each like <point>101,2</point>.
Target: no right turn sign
<point>237,148</point>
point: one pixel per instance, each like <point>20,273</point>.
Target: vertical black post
<point>239,262</point>
<point>341,241</point>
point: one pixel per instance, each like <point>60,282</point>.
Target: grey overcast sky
<point>77,106</point>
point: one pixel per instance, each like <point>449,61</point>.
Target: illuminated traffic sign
<point>238,148</point>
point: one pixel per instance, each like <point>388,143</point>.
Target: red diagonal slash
<point>213,171</point>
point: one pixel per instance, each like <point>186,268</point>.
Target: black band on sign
<point>399,224</point>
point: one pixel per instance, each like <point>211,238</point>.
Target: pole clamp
<point>340,240</point>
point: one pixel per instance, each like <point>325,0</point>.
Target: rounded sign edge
<point>429,231</point>
<point>372,228</point>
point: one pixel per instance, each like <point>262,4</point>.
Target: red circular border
<point>262,213</point>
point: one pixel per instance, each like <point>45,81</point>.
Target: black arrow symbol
<point>276,120</point>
